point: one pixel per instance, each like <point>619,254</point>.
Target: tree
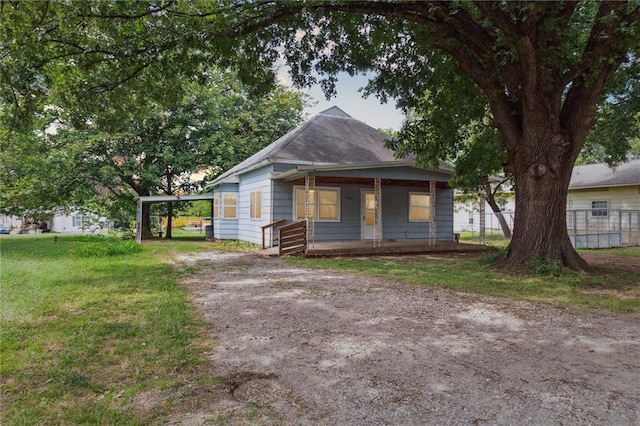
<point>540,68</point>
<point>214,126</point>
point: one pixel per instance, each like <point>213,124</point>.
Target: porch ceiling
<point>337,180</point>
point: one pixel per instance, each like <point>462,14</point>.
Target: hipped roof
<point>330,138</point>
<point>601,175</point>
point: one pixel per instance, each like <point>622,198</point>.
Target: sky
<point>368,110</point>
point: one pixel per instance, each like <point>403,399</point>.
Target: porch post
<point>139,222</point>
<point>309,186</point>
<point>377,202</point>
<point>432,212</point>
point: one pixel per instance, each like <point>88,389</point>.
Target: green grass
<point>89,323</point>
<point>619,292</point>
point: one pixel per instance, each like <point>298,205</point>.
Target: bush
<point>547,267</point>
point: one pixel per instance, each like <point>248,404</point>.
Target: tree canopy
<point>537,72</point>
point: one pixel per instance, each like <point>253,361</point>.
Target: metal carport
<point>150,199</point>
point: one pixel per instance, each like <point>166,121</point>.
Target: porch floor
<point>359,248</point>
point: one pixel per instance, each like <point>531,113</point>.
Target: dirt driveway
<point>302,346</point>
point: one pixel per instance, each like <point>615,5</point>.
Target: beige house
<point>596,186</point>
<point>604,205</point>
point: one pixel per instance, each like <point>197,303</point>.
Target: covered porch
<point>369,204</point>
<point>366,248</point>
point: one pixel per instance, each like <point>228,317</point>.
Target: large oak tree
<point>538,70</point>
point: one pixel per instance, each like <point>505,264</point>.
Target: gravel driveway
<point>304,346</point>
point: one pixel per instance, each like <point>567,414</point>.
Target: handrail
<point>270,225</point>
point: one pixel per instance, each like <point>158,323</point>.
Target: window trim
<point>600,211</point>
<point>252,205</point>
<point>409,208</point>
<point>77,217</point>
<point>316,213</point>
<point>224,217</point>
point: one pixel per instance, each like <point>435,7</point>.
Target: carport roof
<point>168,198</point>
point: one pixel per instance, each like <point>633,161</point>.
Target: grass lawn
<point>617,291</point>
<point>97,330</point>
<point>91,323</point>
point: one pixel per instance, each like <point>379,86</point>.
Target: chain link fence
<point>603,228</point>
<point>587,228</point>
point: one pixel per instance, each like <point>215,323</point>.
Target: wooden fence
<point>293,239</point>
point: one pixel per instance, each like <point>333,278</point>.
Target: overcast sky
<point>369,110</point>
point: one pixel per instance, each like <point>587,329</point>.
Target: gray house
<point>333,173</point>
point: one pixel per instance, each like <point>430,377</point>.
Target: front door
<point>368,215</point>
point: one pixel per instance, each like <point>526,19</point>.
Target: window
<point>255,205</point>
<point>216,206</point>
<point>230,205</point>
<point>419,207</point>
<point>77,220</point>
<point>600,208</point>
<point>324,203</point>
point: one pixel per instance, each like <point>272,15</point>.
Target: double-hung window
<point>216,206</point>
<point>324,204</point>
<point>255,205</point>
<point>600,208</point>
<point>419,207</point>
<point>229,205</point>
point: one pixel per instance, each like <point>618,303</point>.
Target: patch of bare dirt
<point>298,346</point>
<point>613,263</point>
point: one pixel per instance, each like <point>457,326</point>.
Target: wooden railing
<point>293,238</point>
<point>270,225</point>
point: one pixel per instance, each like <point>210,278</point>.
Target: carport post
<point>139,222</point>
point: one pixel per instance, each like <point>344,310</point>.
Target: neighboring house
<point>336,172</point>
<point>78,221</point>
<point>466,216</point>
<point>597,186</point>
<point>604,205</point>
<point>73,221</point>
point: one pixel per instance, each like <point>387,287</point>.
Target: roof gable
<point>330,137</point>
<point>601,175</point>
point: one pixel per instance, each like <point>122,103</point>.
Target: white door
<point>368,215</point>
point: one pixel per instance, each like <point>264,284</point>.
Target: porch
<point>366,248</point>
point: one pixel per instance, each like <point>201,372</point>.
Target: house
<point>75,220</point>
<point>334,173</point>
<point>604,205</point>
<point>597,186</point>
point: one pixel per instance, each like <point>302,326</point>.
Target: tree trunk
<point>540,225</point>
<point>146,222</point>
<point>169,220</point>
<point>490,198</point>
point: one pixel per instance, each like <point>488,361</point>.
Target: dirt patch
<point>613,263</point>
<point>304,346</point>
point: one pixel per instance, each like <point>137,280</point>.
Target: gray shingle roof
<point>331,137</point>
<point>600,175</point>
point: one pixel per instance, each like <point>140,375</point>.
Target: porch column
<point>309,186</point>
<point>377,202</point>
<point>432,212</point>
<point>139,222</point>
